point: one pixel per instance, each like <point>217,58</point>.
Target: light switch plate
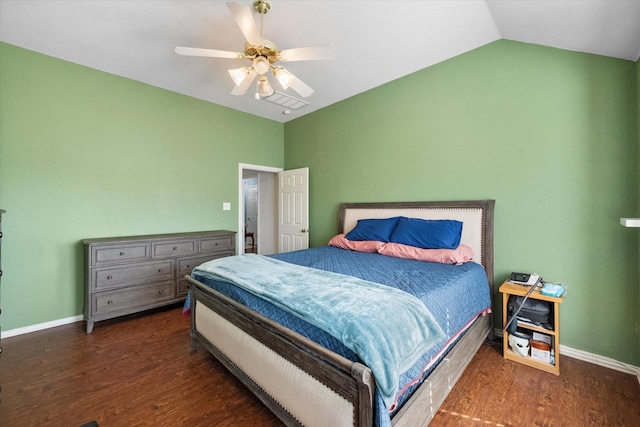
<point>226,206</point>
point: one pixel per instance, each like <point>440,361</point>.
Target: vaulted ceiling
<point>375,41</point>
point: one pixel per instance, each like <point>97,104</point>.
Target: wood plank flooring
<point>141,372</point>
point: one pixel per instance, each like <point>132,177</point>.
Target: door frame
<point>240,240</point>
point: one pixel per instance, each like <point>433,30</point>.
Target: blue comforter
<point>455,295</point>
<point>353,310</point>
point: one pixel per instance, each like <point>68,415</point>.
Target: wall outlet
<point>226,206</point>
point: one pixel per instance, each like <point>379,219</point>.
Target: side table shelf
<point>507,289</point>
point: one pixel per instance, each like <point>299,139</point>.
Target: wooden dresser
<point>125,275</point>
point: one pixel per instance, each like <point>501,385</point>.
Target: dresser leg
<point>89,326</point>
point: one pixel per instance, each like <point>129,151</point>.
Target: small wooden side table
<point>252,236</point>
<point>553,366</point>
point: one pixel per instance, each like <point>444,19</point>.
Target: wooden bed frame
<point>302,382</point>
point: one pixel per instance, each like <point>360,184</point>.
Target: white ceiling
<point>376,41</point>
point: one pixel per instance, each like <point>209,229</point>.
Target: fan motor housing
<point>267,50</point>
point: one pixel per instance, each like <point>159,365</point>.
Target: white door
<point>293,215</point>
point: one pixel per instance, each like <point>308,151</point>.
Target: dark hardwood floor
<point>141,372</point>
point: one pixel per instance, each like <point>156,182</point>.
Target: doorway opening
<point>257,209</point>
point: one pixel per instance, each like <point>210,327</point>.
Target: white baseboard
<point>585,356</point>
<point>607,362</point>
<point>41,326</point>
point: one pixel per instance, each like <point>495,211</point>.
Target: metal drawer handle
<point>109,277</point>
<point>188,265</point>
<point>122,253</point>
<point>159,270</point>
<point>175,248</point>
<point>160,292</point>
<point>110,302</point>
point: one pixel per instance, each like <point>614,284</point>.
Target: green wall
<point>637,212</point>
<point>88,154</point>
<point>551,135</point>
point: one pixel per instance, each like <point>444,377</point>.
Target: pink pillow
<point>456,256</point>
<point>341,242</point>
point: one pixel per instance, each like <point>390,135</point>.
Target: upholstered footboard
<point>300,381</point>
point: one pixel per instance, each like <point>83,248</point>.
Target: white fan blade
<point>244,18</point>
<point>300,86</point>
<point>325,51</point>
<point>242,89</point>
<point>194,51</point>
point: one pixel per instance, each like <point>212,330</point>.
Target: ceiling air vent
<point>286,101</point>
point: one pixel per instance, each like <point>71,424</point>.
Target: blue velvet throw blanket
<point>389,329</point>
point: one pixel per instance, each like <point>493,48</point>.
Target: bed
<point>307,379</point>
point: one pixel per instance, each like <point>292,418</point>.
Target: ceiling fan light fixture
<point>261,65</point>
<point>284,77</point>
<point>239,74</point>
<point>262,54</point>
<point>264,87</point>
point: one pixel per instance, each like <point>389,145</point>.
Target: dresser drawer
<point>112,277</point>
<point>173,248</point>
<point>119,253</point>
<point>216,244</point>
<point>185,266</point>
<point>131,298</point>
<point>183,288</point>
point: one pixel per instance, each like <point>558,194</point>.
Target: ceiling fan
<point>263,55</point>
